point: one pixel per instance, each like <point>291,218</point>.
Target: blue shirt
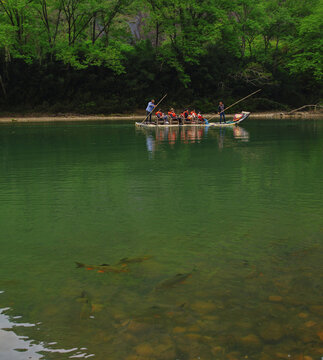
<point>150,106</point>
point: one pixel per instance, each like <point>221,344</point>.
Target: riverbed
<point>120,243</point>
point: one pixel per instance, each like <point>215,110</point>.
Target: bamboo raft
<point>230,123</point>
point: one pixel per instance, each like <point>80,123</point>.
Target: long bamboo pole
<point>154,108</point>
<point>235,103</point>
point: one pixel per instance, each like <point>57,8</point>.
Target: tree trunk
<point>93,28</point>
<point>157,35</point>
<point>3,87</point>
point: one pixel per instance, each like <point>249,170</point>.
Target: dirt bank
<point>69,117</point>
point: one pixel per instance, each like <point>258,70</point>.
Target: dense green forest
<point>111,56</point>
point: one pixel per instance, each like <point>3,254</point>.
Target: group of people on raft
<point>185,117</point>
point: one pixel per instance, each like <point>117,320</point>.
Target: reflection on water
<point>240,133</point>
<point>186,135</point>
<point>210,249</point>
<point>19,347</point>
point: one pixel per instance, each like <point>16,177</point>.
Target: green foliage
<point>308,47</point>
<point>93,55</point>
<point>187,28</point>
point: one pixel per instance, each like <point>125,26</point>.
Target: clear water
<point>238,211</point>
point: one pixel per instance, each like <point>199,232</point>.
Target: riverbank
<point>74,117</point>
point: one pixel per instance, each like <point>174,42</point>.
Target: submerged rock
<point>293,356</point>
<point>265,356</point>
<point>244,325</point>
<point>136,326</point>
<point>250,342</point>
<point>194,336</point>
<point>134,357</point>
<point>280,355</point>
<point>130,338</point>
<point>97,307</point>
<point>317,309</point>
<point>161,348</point>
<point>302,315</point>
<point>179,329</point>
<point>306,335</point>
<point>272,332</point>
<point>144,349</point>
<point>217,350</point>
<point>169,354</point>
<point>275,298</point>
<point>138,357</point>
<point>191,348</point>
<point>204,307</point>
<point>210,317</point>
<point>310,323</point>
<point>208,340</point>
<point>234,355</point>
<point>293,301</point>
<point>193,328</point>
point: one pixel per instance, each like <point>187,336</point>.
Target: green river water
<point>238,212</point>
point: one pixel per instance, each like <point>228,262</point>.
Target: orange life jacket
<point>237,117</point>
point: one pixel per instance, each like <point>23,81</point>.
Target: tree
<point>307,47</point>
<point>187,28</point>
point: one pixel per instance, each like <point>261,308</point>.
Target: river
<point>219,231</point>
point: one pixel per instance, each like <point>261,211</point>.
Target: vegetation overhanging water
<point>90,56</point>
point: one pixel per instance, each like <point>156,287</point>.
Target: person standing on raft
<point>221,111</point>
<point>150,107</point>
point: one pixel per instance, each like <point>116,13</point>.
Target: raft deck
<point>245,115</point>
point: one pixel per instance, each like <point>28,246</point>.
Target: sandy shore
<point>66,118</point>
<point>53,118</point>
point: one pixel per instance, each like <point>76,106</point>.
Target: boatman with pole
<point>221,111</point>
<point>150,107</point>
